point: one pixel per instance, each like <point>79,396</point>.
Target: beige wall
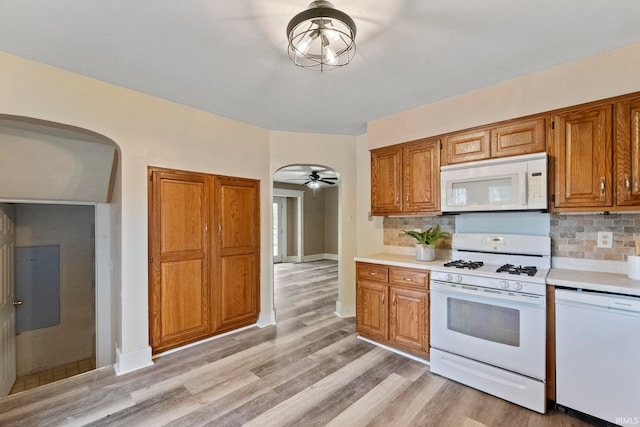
<point>602,76</point>
<point>38,166</point>
<point>70,227</point>
<point>337,152</point>
<point>292,226</point>
<point>330,220</point>
<point>152,131</point>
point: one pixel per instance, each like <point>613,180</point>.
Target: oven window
<point>485,321</point>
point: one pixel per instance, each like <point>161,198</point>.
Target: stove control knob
<point>458,278</point>
<point>504,284</point>
<point>517,286</point>
<point>449,278</point>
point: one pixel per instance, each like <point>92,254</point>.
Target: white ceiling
<point>299,174</point>
<point>229,57</point>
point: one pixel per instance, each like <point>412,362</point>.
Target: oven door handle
<point>494,294</point>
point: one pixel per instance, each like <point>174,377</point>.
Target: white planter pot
<point>425,252</point>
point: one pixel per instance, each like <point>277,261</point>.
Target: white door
<point>279,204</point>
<point>7,311</point>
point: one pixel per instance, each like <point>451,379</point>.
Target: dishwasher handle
<point>609,301</point>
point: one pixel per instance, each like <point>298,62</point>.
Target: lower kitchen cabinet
<point>392,306</point>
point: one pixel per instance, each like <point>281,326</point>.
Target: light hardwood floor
<point>309,370</point>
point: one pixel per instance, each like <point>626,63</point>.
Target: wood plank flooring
<point>309,370</point>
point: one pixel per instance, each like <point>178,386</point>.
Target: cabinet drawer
<point>375,272</point>
<point>409,277</point>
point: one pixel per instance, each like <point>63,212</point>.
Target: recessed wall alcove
<point>61,186</point>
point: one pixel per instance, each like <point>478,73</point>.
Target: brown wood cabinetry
<point>204,256</point>
<point>386,180</point>
<point>405,178</point>
<point>627,152</point>
<point>467,147</point>
<point>582,152</point>
<point>596,157</point>
<point>514,138</point>
<point>392,306</point>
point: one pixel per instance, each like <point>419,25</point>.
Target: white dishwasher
<point>598,355</point>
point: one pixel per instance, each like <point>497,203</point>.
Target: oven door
<point>501,328</point>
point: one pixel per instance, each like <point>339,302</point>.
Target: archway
<point>50,165</point>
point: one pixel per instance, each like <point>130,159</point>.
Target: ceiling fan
<point>315,178</point>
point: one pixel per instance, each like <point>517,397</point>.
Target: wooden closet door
<point>179,295</point>
<point>237,257</point>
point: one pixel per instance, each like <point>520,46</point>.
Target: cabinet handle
<point>372,274</point>
<point>407,198</point>
<point>627,183</point>
<point>383,298</point>
<point>397,199</point>
<point>602,185</point>
<point>408,279</point>
<point>393,301</point>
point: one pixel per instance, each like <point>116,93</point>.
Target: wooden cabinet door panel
<point>238,293</point>
<point>386,180</point>
<point>467,147</point>
<point>409,318</point>
<point>422,176</point>
<point>183,300</point>
<point>627,152</point>
<point>179,257</point>
<point>582,146</point>
<point>521,137</point>
<point>371,309</point>
<point>237,274</point>
<point>238,205</point>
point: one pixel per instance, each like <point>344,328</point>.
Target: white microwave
<point>509,183</point>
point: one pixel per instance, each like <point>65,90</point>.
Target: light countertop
<point>398,260</point>
<point>578,279</point>
<point>594,281</point>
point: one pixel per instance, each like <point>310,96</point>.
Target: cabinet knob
<point>382,298</point>
<point>408,279</point>
<point>372,273</point>
<point>393,301</point>
<point>627,183</point>
<point>602,185</point>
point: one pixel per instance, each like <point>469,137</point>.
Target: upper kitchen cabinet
<point>466,147</point>
<point>421,179</point>
<point>582,150</point>
<point>405,178</point>
<point>386,180</point>
<point>518,137</point>
<point>627,152</point>
<point>522,136</point>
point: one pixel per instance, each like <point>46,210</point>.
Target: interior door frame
<point>281,233</point>
<point>299,196</point>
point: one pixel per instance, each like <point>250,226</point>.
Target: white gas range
<point>488,315</point>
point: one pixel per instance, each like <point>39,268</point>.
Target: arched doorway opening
<point>60,192</point>
<point>305,215</point>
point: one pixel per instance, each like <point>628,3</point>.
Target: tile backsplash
<point>572,236</point>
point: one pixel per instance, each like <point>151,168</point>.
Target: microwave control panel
<point>537,190</point>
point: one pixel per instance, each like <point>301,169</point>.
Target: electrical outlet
<point>605,239</point>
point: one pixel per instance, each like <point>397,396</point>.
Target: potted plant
<point>426,246</point>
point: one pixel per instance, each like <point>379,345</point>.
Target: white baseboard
<point>266,318</point>
<point>132,360</point>
<point>294,258</point>
<point>345,310</point>
<point>319,257</point>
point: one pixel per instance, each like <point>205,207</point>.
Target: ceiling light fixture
<point>313,184</point>
<point>321,37</point>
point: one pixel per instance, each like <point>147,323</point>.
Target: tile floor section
<point>36,379</point>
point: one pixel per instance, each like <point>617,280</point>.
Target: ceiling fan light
<point>313,184</point>
<point>321,37</point>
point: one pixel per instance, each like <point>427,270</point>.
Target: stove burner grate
<point>471,265</point>
<point>512,269</point>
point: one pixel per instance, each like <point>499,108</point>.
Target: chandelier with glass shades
<point>321,37</point>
